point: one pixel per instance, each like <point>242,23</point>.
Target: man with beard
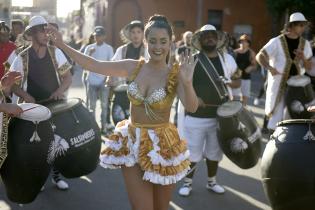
<point>284,56</point>
<point>46,73</point>
<point>211,81</point>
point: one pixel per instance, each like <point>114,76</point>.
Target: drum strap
<point>4,138</point>
<point>52,53</point>
<point>213,75</point>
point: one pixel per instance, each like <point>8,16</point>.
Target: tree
<point>280,9</point>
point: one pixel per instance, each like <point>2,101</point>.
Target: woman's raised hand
<point>187,67</point>
<point>54,35</point>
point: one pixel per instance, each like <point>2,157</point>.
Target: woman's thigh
<point>140,192</point>
<point>162,196</point>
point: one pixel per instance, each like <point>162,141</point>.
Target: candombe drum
<point>121,105</point>
<point>238,134</point>
<point>287,166</point>
<point>77,139</point>
<point>26,169</point>
<point>299,96</point>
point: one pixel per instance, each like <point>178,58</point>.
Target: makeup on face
<point>158,43</point>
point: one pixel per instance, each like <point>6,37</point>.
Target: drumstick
<point>212,105</point>
<point>31,108</point>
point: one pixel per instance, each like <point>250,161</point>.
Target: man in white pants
<point>96,82</point>
<point>200,127</point>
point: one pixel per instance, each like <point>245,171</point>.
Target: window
<point>242,29</point>
<point>215,18</point>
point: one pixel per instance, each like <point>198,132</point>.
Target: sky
<point>63,6</point>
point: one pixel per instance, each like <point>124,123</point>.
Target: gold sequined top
<point>161,98</point>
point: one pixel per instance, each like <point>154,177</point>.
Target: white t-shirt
<point>102,52</point>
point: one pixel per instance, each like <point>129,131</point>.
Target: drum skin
<point>287,166</point>
<point>248,133</point>
<point>77,143</point>
<point>26,169</point>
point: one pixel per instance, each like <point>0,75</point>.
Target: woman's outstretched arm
<point>109,68</point>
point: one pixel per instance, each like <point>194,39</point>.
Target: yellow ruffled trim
<point>166,144</point>
<point>169,142</point>
<point>123,151</point>
<point>169,147</point>
<point>173,79</point>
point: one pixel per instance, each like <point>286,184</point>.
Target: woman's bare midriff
<point>138,115</point>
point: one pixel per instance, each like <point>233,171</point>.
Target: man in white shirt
<point>284,56</point>
<point>96,82</point>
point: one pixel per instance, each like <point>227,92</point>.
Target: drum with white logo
<point>287,166</point>
<point>26,168</point>
<point>238,134</point>
<point>299,96</point>
<point>77,139</point>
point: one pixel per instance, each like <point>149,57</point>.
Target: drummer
<point>7,109</point>
<point>46,73</point>
<point>200,127</point>
<point>284,56</point>
<point>132,35</point>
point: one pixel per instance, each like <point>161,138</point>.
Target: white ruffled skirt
<point>157,149</point>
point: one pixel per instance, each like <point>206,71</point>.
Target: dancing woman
<point>147,147</point>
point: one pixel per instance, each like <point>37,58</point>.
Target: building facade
<point>234,17</point>
<point>5,12</point>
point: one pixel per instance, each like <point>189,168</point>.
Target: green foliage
<point>279,7</point>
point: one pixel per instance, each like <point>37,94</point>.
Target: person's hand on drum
<point>28,98</point>
<point>311,109</point>
<point>10,78</point>
<point>12,109</point>
<point>54,35</point>
<point>57,95</point>
<point>187,67</point>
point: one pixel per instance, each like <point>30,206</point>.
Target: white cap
<point>195,38</point>
<point>297,17</point>
<point>36,21</point>
<point>207,27</point>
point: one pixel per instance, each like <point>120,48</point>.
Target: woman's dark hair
<point>136,25</point>
<point>158,21</point>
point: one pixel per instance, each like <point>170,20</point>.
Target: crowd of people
<point>137,85</point>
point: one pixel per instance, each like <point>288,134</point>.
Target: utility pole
<point>199,13</point>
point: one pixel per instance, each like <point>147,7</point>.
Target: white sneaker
<point>61,185</point>
<point>215,188</point>
<point>185,189</point>
<point>256,101</point>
